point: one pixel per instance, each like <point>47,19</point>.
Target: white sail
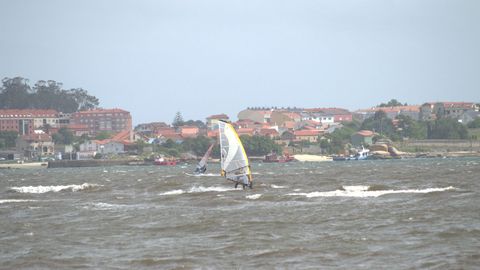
<point>202,165</point>
<point>234,160</point>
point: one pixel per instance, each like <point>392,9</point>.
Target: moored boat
<point>165,161</point>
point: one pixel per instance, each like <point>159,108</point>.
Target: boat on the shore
<point>360,155</point>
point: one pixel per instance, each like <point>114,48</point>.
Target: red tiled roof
<point>189,127</point>
<point>27,113</point>
<point>268,131</point>
<point>114,110</point>
<point>291,115</point>
<point>289,124</point>
<point>306,132</point>
<point>122,136</point>
<point>365,133</point>
<point>245,131</point>
<point>42,137</point>
<point>165,131</point>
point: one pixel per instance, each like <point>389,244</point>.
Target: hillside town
<point>44,134</point>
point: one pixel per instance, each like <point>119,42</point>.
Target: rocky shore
<point>385,151</point>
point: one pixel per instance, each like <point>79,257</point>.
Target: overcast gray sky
<point>154,58</point>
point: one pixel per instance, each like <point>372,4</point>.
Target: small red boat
<point>165,162</point>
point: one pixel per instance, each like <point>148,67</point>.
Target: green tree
<point>447,128</point>
<point>178,120</point>
<point>15,93</point>
<point>198,145</point>
<point>103,135</point>
<point>63,136</point>
<point>259,145</point>
<point>169,143</point>
<point>196,123</point>
<point>380,123</point>
<point>409,128</point>
<point>83,99</point>
<point>392,103</point>
<point>9,138</point>
<point>475,123</point>
<point>336,141</point>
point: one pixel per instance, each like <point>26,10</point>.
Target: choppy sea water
<point>398,214</point>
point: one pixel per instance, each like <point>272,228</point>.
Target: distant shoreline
<point>25,165</point>
<point>108,163</point>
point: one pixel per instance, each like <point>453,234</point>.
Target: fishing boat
<point>202,164</point>
<point>233,158</point>
<point>360,155</point>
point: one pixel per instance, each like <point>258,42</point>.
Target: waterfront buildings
<point>103,120</point>
<point>25,121</point>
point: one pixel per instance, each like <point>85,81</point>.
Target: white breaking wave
<point>363,192</point>
<point>355,188</point>
<point>203,174</point>
<point>103,206</point>
<point>254,196</point>
<point>44,189</point>
<point>198,189</point>
<point>275,186</point>
<point>173,192</point>
<point>15,201</point>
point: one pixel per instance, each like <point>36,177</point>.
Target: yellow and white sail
<point>234,161</point>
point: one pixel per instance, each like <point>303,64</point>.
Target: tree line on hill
<point>17,93</point>
<point>406,127</point>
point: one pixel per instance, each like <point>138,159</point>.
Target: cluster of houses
<point>287,125</point>
<point>36,127</point>
<point>284,125</point>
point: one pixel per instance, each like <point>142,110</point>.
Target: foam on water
<point>203,174</point>
<point>45,189</point>
<point>198,189</point>
<point>103,206</point>
<point>172,192</point>
<point>254,196</point>
<point>362,192</point>
<point>15,201</point>
<point>275,186</point>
